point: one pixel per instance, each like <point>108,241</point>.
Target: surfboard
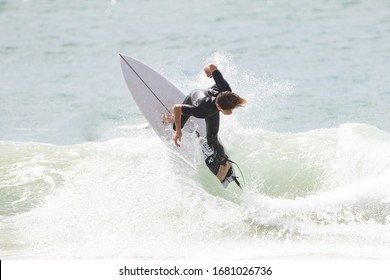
<point>155,96</point>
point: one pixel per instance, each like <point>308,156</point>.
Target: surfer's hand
<point>177,137</point>
<point>209,69</point>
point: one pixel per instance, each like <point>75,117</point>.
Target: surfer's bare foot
<point>167,118</point>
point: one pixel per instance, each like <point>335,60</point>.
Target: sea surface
<point>83,176</point>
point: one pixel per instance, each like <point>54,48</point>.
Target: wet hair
<point>229,100</point>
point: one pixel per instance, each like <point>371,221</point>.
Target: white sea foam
<point>136,198</point>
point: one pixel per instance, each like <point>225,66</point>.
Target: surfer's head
<point>227,101</point>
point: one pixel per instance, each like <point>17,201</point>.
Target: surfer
<point>206,104</point>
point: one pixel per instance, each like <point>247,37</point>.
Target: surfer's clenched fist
<point>209,69</point>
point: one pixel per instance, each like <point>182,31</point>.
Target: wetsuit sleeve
<point>187,110</point>
<point>220,83</point>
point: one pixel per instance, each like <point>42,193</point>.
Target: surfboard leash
<point>242,174</point>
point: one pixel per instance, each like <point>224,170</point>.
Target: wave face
<point>319,193</point>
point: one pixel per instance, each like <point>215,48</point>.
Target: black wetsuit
<point>201,104</point>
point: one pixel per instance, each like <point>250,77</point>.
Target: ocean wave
<point>326,184</point>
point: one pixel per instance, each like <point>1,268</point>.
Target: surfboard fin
<point>237,182</point>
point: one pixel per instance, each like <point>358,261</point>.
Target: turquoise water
<point>79,165</point>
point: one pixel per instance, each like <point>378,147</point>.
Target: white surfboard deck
<point>155,96</point>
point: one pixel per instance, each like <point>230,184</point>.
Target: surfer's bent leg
<point>184,119</point>
<point>212,128</point>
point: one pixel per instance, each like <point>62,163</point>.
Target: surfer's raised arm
<point>177,113</point>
